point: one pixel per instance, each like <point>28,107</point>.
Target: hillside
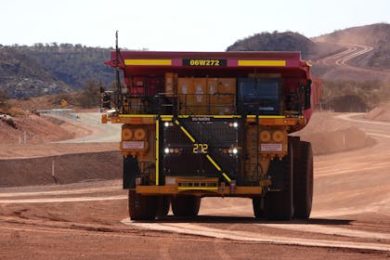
<point>48,69</point>
<point>45,69</point>
<point>285,41</point>
<point>21,75</point>
<point>72,64</point>
<point>374,35</point>
<point>276,41</point>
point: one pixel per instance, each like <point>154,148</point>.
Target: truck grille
<point>201,147</point>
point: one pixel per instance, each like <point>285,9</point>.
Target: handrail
<point>168,103</point>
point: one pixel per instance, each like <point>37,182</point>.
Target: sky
<point>177,25</point>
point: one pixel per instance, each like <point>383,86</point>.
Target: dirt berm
<point>69,168</point>
<point>329,134</point>
<point>380,113</point>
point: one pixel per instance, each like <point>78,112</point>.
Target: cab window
<point>259,96</point>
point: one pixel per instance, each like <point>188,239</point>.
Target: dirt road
<point>340,66</point>
<point>350,219</point>
<point>350,53</point>
<point>100,132</point>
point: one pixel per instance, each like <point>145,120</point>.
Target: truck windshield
<point>259,96</point>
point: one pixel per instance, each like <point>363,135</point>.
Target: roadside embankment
<point>68,168</point>
<point>331,135</point>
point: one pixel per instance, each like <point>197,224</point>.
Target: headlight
<point>234,124</point>
<point>168,124</point>
<point>174,151</point>
<point>233,151</point>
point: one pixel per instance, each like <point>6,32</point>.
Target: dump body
<point>208,123</point>
<point>147,74</point>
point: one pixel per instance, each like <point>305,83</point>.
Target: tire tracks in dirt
<point>62,200</point>
<point>313,228</point>
<point>193,229</point>
<point>58,192</point>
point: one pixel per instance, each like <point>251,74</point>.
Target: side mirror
<point>307,94</point>
<point>106,100</point>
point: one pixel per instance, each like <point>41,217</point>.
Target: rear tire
<point>142,207</point>
<point>186,206</point>
<point>303,181</point>
<point>279,205</point>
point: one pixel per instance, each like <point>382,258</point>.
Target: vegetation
<point>51,68</point>
<point>276,41</point>
<point>354,95</point>
<point>87,97</point>
<point>3,102</point>
<point>90,95</point>
<point>72,64</point>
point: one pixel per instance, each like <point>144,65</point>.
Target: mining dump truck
<point>213,124</point>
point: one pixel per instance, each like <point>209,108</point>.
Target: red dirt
<point>33,129</point>
<point>380,113</point>
<point>31,163</point>
<point>69,168</point>
<point>330,135</point>
<point>12,151</point>
<point>91,230</point>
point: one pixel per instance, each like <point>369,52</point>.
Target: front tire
<point>142,207</point>
<point>186,206</point>
<point>278,205</point>
<point>303,181</point>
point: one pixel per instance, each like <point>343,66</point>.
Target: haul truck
<point>213,124</point>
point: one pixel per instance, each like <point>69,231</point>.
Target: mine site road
<point>341,58</point>
<point>343,65</point>
<point>99,132</point>
<point>360,50</point>
<point>342,192</point>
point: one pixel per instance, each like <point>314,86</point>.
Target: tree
<point>90,96</point>
<point>3,101</point>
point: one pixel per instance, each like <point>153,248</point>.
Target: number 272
<point>200,148</point>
